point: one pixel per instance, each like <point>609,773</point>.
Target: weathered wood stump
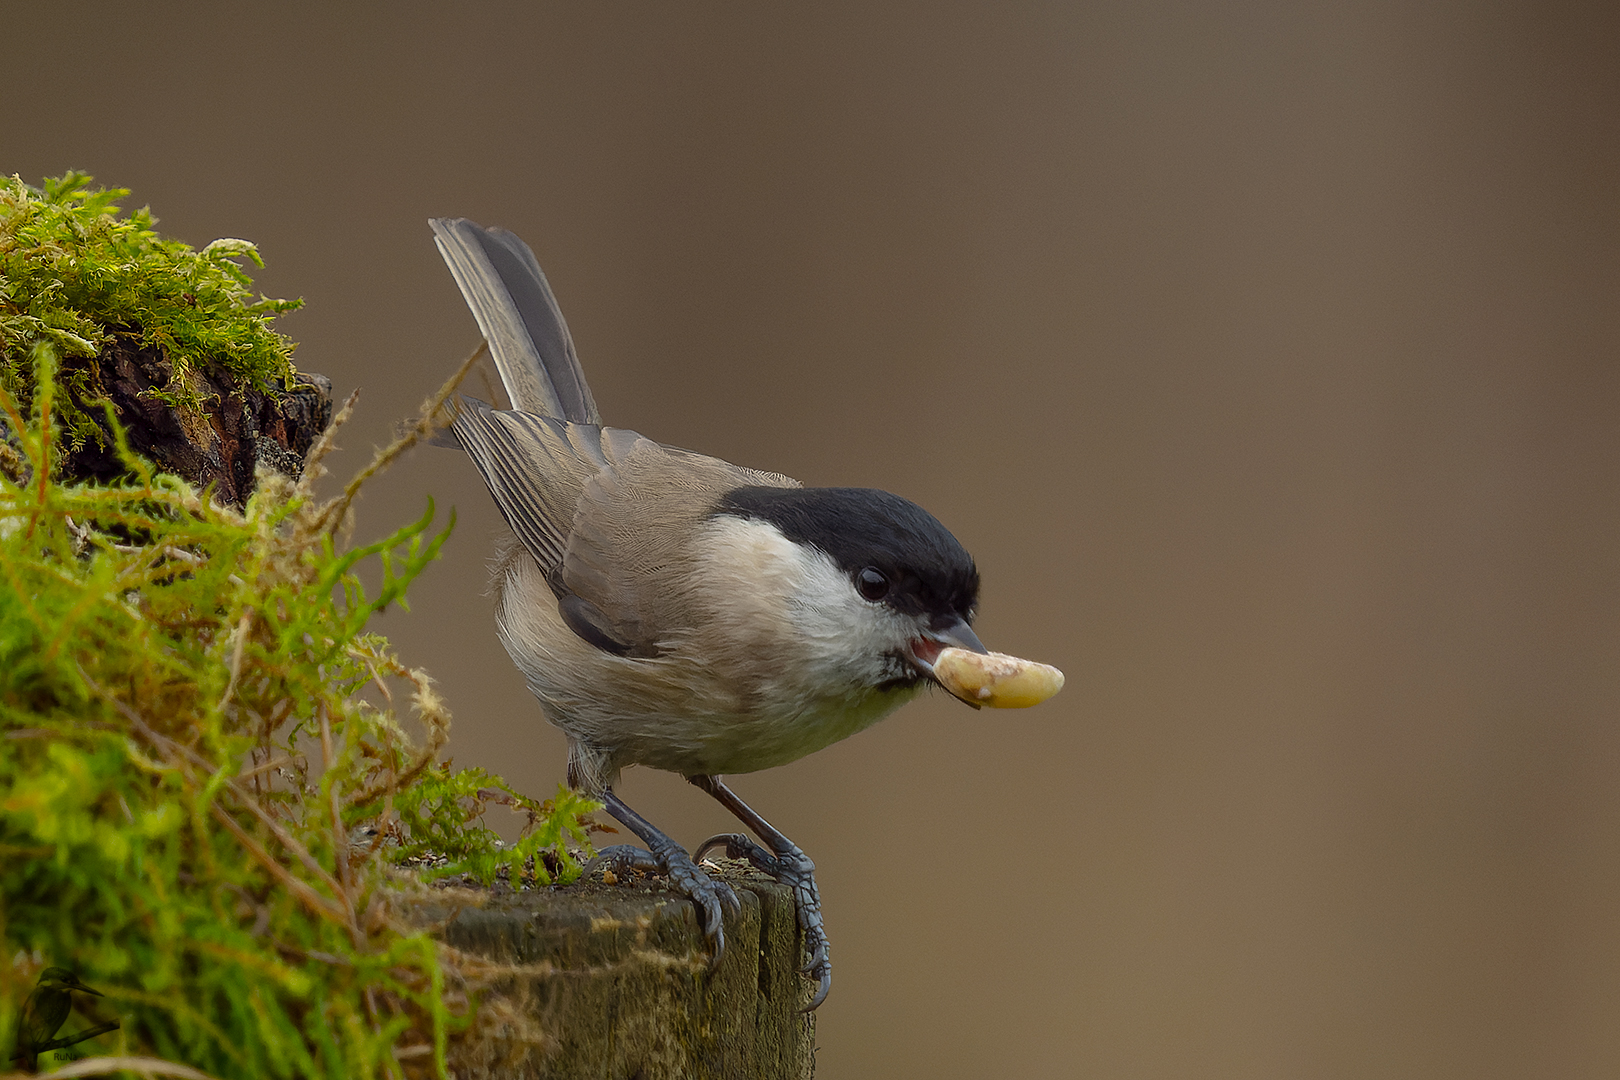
<point>612,983</point>
<point>237,429</point>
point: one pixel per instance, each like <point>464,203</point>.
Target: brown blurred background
<point>1264,355</point>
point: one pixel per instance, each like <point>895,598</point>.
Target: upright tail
<point>502,283</point>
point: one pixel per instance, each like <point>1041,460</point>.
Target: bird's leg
<point>665,856</point>
<point>787,864</point>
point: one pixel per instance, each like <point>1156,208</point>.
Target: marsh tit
<point>674,610</point>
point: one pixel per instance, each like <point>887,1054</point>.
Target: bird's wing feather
<point>535,467</point>
<point>607,514</point>
<point>630,548</point>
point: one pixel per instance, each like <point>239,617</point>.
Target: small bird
<point>45,1010</point>
<point>677,611</point>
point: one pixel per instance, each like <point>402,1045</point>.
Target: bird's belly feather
<point>675,712</point>
<point>720,743</point>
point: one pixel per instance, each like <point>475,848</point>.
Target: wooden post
<point>611,982</point>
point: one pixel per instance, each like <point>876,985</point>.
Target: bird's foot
<point>793,868</point>
<point>712,898</point>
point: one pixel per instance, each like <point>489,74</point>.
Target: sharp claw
<point>719,939</point>
<point>716,841</point>
<point>728,897</point>
<point>821,993</point>
<point>738,846</point>
<point>708,896</point>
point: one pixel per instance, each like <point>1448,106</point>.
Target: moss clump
<point>194,727</point>
<point>74,274</point>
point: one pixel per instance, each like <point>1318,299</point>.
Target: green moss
<point>193,721</point>
<point>74,273</point>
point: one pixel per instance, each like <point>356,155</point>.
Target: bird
<point>676,611</point>
<point>45,1010</point>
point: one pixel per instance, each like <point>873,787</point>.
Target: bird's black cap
<point>929,571</point>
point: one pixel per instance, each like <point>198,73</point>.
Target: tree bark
<point>236,430</point>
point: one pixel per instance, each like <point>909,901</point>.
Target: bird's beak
<point>935,640</point>
<point>959,635</point>
<point>77,985</point>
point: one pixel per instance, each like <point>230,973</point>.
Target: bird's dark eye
<point>872,583</point>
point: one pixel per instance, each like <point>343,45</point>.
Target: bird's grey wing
<point>513,303</point>
<point>536,467</point>
<point>630,547</point>
<point>607,515</point>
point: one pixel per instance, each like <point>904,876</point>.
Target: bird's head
<point>886,587</point>
<point>60,978</point>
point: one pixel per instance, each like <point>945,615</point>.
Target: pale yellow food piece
<point>995,679</point>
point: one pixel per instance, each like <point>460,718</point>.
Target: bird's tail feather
<point>509,296</point>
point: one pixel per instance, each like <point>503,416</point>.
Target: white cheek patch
<point>845,636</point>
<point>800,596</point>
<point>829,609</point>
